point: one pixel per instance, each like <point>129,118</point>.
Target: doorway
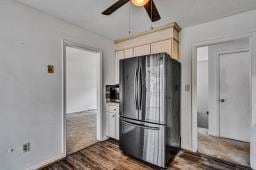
<point>224,100</point>
<point>82,97</point>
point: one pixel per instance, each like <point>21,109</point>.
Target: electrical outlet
<point>26,147</point>
<point>10,150</point>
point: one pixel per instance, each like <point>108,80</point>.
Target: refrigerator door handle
<point>135,93</point>
<point>140,88</point>
<point>140,126</point>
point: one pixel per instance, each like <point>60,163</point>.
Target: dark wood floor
<point>107,155</point>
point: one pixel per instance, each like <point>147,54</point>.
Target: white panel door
<point>234,93</point>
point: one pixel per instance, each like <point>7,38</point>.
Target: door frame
<point>99,126</point>
<point>194,80</point>
<point>218,81</point>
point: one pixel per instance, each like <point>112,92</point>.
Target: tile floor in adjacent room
<point>223,148</point>
<point>81,130</point>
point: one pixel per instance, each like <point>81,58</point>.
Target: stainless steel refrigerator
<point>150,107</point>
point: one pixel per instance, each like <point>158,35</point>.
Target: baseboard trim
<point>48,162</point>
<point>105,138</point>
<point>212,133</point>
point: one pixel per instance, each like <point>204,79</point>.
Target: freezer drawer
<point>144,141</point>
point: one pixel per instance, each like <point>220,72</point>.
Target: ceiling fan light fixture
<point>139,2</point>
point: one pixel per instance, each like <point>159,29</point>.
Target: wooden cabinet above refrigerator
<point>158,40</point>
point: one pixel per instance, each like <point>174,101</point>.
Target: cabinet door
<point>119,56</point>
<point>142,50</point>
<point>128,53</point>
<point>111,124</point>
<point>162,46</point>
<point>175,49</point>
<point>117,126</point>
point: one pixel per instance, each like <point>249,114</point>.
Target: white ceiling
<point>87,13</point>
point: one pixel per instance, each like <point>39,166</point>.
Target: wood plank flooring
<point>107,155</point>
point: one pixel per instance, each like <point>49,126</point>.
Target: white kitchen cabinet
<point>113,120</point>
<point>117,126</point>
<point>128,53</point>
<point>175,49</point>
<point>162,46</point>
<point>119,56</point>
<point>142,50</point>
<point>157,40</point>
<point>111,125</point>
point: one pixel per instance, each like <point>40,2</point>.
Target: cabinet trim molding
<point>171,25</point>
<point>122,49</point>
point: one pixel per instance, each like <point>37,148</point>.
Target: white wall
<point>202,87</point>
<point>81,80</point>
<point>31,99</point>
<point>213,79</point>
<point>237,25</point>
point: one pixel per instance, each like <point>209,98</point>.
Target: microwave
<point>112,93</point>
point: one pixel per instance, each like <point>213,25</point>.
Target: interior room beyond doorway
<point>81,98</point>
<point>223,101</point>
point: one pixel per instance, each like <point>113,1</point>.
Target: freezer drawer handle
<point>141,126</point>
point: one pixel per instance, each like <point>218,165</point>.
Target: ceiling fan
<point>149,6</point>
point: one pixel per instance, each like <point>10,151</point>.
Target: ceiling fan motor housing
<point>149,6</point>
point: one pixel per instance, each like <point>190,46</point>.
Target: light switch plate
<point>50,69</point>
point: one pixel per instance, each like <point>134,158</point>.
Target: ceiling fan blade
<point>115,7</point>
<point>155,14</point>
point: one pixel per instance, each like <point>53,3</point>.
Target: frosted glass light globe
<point>139,2</point>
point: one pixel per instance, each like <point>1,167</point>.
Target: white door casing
<point>234,95</point>
<point>119,56</point>
<point>65,44</point>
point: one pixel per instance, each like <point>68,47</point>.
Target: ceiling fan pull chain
<point>129,20</point>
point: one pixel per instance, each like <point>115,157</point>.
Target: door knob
<point>222,100</point>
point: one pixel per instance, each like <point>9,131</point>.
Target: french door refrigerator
<point>150,107</point>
